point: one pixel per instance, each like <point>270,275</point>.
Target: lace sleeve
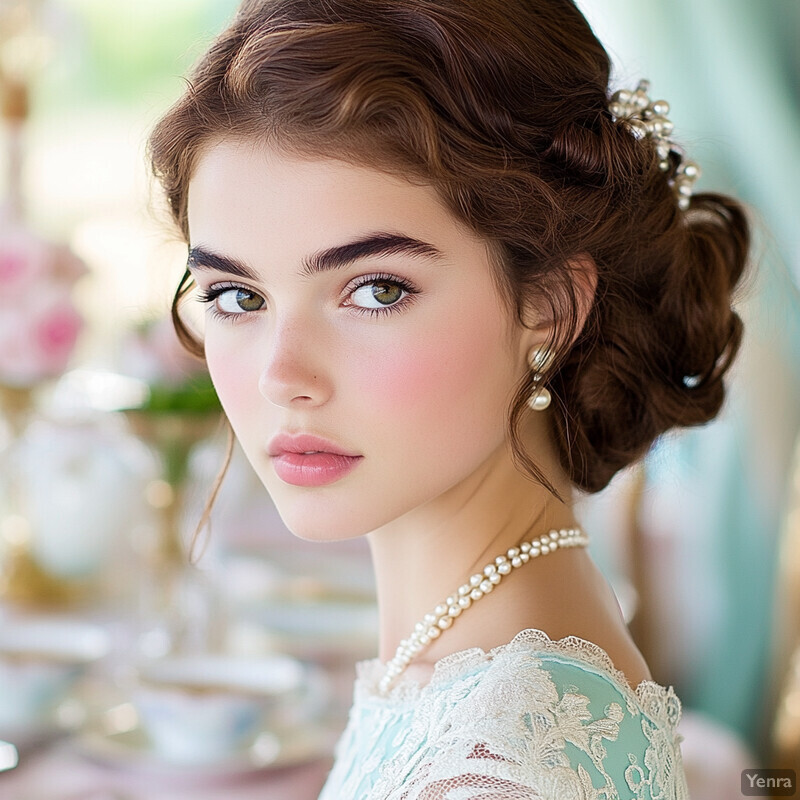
<point>537,727</point>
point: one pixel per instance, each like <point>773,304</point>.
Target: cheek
<point>458,373</point>
<point>232,376</point>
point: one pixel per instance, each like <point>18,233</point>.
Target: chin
<point>315,518</point>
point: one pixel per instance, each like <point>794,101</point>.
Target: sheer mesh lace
<point>534,718</point>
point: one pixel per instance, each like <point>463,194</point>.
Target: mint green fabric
<point>559,722</point>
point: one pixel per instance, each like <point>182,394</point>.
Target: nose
<point>295,371</point>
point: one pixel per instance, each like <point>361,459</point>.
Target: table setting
<point>128,670</point>
<point>85,712</point>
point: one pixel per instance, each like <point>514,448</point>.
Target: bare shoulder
<point>587,608</point>
<point>569,598</point>
<point>573,598</point>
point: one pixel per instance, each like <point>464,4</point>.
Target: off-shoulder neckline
<point>656,701</point>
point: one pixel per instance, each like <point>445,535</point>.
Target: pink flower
<point>56,335</point>
<point>39,324</point>
<point>24,258</point>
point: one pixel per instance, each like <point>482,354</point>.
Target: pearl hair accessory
<point>648,119</point>
<point>539,360</point>
<point>480,584</point>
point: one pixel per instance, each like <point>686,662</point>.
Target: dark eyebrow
<point>377,244</point>
<point>200,259</point>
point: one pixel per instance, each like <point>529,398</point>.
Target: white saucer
<point>132,750</point>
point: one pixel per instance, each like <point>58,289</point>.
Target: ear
<point>543,317</point>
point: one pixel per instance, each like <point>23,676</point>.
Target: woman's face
<point>350,305</point>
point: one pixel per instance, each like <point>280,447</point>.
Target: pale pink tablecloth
<point>59,773</point>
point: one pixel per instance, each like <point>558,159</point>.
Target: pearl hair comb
<point>648,119</point>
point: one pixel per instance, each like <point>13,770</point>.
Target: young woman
<point>449,280</point>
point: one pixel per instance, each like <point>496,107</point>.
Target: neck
<point>425,555</point>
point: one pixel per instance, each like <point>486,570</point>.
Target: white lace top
<point>535,718</point>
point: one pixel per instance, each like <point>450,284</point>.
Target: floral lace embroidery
<point>464,734</point>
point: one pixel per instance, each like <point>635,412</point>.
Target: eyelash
<point>208,296</point>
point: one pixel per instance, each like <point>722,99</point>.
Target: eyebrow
<point>375,244</point>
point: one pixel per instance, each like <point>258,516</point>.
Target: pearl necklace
<point>480,584</point>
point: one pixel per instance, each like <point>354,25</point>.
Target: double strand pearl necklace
<point>480,584</point>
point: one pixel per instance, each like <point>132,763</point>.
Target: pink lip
<point>306,460</point>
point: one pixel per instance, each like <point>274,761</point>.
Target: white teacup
<point>40,661</point>
<point>209,707</point>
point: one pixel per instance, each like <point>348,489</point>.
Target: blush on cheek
<point>437,373</point>
<point>230,378</point>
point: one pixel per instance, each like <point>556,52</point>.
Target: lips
<point>306,460</point>
<point>305,443</point>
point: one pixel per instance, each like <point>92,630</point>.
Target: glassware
<point>178,599</point>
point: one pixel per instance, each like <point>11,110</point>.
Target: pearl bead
<point>479,584</point>
<point>647,119</point>
<point>661,107</point>
<point>541,400</point>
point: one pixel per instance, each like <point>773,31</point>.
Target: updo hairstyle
<point>501,106</point>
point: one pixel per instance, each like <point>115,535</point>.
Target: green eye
<point>236,301</point>
<point>377,294</point>
<point>248,301</point>
<point>386,293</point>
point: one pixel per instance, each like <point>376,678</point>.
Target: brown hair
<point>501,105</point>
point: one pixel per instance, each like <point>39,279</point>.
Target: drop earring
<point>539,359</point>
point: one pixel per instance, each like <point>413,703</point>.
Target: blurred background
<point>111,440</point>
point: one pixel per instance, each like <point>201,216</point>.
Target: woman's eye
<point>238,301</point>
<point>378,294</point>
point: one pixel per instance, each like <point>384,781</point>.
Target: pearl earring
<point>539,359</point>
